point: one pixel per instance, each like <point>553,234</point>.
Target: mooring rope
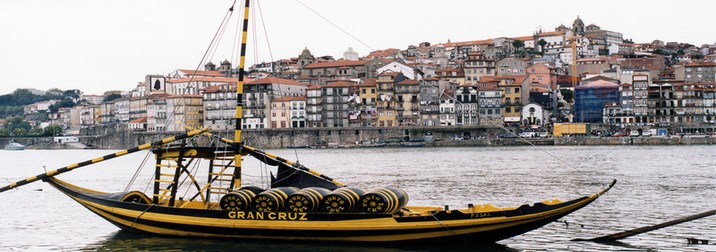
<point>140,215</point>
<point>448,229</point>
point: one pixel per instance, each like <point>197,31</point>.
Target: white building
<point>398,67</point>
<point>447,109</point>
<point>533,114</point>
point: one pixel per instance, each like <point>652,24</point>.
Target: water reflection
<point>129,241</point>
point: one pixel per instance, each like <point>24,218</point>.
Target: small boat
<point>14,146</point>
<point>413,143</point>
<point>371,144</point>
<point>197,191</point>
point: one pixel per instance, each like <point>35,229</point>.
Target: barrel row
<point>315,199</point>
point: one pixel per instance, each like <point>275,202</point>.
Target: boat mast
<point>240,99</point>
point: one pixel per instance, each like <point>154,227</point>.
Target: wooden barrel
<point>273,199</point>
<point>239,200</point>
<point>342,200</point>
<point>306,200</point>
<point>383,200</point>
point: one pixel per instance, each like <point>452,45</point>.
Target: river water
<point>655,184</point>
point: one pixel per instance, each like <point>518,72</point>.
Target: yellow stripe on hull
<point>448,227</point>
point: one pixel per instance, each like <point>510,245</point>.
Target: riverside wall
<point>118,137</point>
<point>121,138</point>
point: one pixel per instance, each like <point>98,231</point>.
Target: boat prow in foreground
<point>134,211</point>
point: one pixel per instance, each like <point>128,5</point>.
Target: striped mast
<point>240,99</point>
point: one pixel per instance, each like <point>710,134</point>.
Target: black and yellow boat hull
<point>478,224</point>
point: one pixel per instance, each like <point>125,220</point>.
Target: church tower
<point>305,58</point>
<point>225,68</point>
<point>210,66</point>
<point>350,54</point>
<point>578,26</point>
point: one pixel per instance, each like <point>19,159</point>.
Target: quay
<point>121,138</point>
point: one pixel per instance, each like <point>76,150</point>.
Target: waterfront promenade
<point>113,138</point>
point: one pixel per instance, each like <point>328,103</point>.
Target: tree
<point>24,96</point>
<point>517,44</point>
<point>66,103</point>
<point>74,94</point>
<point>53,130</point>
<point>4,133</point>
<point>541,44</point>
<point>112,97</point>
<point>54,93</point>
<point>567,94</point>
<point>19,132</point>
<point>36,132</point>
<point>18,123</point>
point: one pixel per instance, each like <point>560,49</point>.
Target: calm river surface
<point>655,184</point>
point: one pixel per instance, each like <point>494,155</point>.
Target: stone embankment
<point>109,138</point>
<point>122,138</point>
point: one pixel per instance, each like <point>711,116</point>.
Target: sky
<point>96,46</point>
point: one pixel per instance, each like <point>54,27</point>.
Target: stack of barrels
<point>315,199</point>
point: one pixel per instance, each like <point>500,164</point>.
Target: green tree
<point>112,97</point>
<point>17,123</point>
<point>4,132</point>
<point>73,94</point>
<point>541,44</point>
<point>66,103</point>
<point>36,132</point>
<point>518,44</point>
<point>24,96</point>
<point>53,130</point>
<point>54,93</point>
<point>567,94</point>
<point>19,132</point>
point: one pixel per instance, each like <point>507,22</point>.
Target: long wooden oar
<point>100,159</point>
<point>636,231</point>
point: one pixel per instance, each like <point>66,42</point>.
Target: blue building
<point>589,100</point>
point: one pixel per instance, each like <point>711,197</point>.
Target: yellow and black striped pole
<point>100,159</point>
<point>240,98</point>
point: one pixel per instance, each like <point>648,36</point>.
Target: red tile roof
<point>701,64</point>
<point>339,63</point>
<point>201,72</point>
<point>289,98</point>
<point>383,53</point>
<point>274,80</point>
<point>139,120</point>
<point>339,84</point>
<point>204,79</point>
<point>408,82</point>
<point>469,43</point>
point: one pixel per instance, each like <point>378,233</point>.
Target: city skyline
<point>100,46</point>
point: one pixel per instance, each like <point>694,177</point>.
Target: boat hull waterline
<point>479,224</point>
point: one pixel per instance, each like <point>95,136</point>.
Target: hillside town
<point>581,74</point>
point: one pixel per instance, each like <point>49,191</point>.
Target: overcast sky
<point>97,46</point>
